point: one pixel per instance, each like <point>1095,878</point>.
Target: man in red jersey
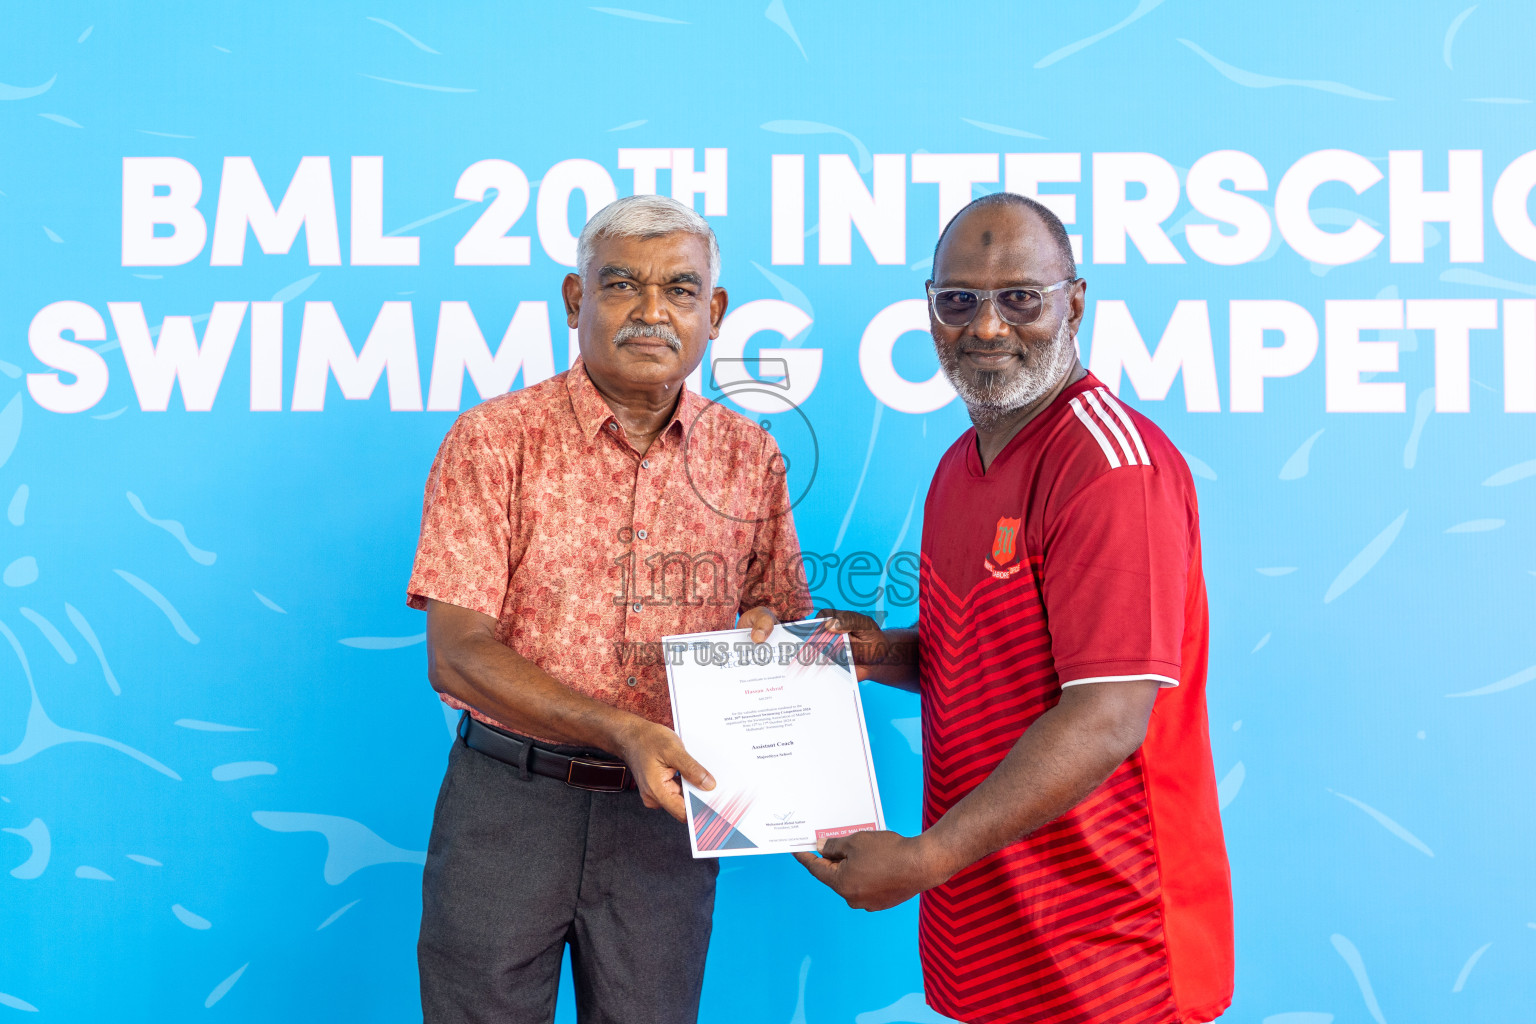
<point>1072,865</point>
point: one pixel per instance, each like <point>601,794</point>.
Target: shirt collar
<point>1032,429</point>
<point>593,413</point>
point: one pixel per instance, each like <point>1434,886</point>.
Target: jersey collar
<point>1033,429</point>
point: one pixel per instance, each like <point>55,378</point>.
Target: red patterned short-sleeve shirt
<point>540,513</point>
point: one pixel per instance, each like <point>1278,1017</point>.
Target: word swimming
<point>161,359</point>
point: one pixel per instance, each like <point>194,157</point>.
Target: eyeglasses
<point>957,307</point>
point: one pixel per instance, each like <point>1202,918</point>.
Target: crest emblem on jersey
<point>1004,543</point>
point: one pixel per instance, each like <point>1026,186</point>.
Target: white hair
<point>645,217</point>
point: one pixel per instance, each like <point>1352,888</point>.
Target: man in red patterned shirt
<point>1072,865</point>
<point>566,529</point>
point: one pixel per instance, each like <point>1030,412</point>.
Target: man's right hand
<point>657,758</point>
<point>888,656</point>
<point>865,637</point>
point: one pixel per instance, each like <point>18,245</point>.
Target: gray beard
<point>991,396</point>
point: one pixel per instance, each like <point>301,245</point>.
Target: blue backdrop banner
<point>256,257</point>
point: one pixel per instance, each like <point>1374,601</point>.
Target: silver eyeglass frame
<point>983,294</point>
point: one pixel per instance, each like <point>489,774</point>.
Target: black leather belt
<point>581,772</point>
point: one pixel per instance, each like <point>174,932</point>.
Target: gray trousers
<point>519,865</point>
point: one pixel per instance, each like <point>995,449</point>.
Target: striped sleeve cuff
<point>1163,681</point>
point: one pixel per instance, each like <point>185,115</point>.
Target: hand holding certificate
<point>781,726</point>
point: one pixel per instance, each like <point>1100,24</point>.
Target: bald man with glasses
<point>1072,866</point>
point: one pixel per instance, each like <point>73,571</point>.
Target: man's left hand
<point>873,870</point>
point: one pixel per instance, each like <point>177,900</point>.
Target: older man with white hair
<point>567,528</point>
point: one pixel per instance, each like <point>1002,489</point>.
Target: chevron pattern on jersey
<point>1065,925</point>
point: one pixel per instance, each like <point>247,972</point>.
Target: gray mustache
<point>979,347</point>
<point>661,331</point>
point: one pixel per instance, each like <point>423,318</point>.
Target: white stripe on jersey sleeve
<point>1109,421</point>
<point>1098,435</point>
<point>1162,681</point>
<point>1130,427</point>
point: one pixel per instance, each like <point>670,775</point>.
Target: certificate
<point>781,728</point>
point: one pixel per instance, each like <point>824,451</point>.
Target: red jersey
<point>1074,559</point>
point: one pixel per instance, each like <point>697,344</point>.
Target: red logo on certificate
<point>846,830</point>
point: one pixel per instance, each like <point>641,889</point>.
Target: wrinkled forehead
<point>659,258</point>
<point>997,245</point>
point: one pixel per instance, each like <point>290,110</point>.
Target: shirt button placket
<point>638,498</point>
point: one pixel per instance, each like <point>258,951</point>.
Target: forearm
<point>1064,756</point>
<point>494,679</point>
<point>466,661</point>
<point>892,661</point>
